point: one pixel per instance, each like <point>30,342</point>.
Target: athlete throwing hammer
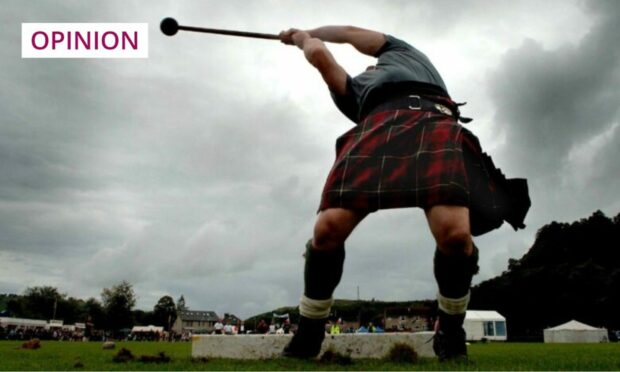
<point>406,150</point>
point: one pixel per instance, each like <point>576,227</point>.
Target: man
<point>228,329</point>
<point>218,327</point>
<point>334,329</point>
<point>407,150</point>
<point>287,326</point>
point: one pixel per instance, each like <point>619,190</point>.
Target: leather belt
<point>422,103</point>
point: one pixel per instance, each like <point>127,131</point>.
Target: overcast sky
<point>198,171</point>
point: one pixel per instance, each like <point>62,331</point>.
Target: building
<point>195,321</point>
<point>232,320</point>
<point>487,325</point>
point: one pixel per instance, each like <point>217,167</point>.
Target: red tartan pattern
<point>400,158</point>
<point>410,158</point>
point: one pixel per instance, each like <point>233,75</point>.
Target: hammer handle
<point>230,32</point>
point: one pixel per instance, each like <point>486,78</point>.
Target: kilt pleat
<point>408,158</point>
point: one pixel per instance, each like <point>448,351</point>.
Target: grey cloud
<point>553,102</point>
<point>199,170</point>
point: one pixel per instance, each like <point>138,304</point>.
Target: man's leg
<point>322,272</point>
<point>455,263</point>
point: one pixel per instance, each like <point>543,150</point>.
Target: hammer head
<point>169,26</point>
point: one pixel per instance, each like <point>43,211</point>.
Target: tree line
<point>572,271</point>
<point>115,310</point>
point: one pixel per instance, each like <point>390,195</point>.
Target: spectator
<point>335,328</point>
<point>287,326</point>
<point>219,327</point>
<point>262,327</point>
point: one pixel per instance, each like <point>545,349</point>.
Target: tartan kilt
<point>408,158</point>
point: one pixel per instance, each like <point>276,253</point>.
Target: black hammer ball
<point>169,26</point>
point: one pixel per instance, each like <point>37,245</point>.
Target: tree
<point>41,302</point>
<point>96,312</point>
<point>181,304</point>
<point>141,317</point>
<point>15,306</point>
<point>165,312</point>
<point>118,302</point>
<point>7,304</point>
<point>71,310</point>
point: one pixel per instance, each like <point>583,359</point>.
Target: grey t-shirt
<point>398,64</point>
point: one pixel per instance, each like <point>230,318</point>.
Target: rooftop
<point>203,316</point>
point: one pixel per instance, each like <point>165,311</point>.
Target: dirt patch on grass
<point>123,356</point>
<point>334,357</point>
<point>402,353</point>
<point>161,357</point>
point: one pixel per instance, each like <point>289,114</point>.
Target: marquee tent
<point>485,324</point>
<point>149,328</point>
<point>6,321</point>
<point>575,332</point>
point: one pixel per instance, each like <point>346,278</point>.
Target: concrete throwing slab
<point>359,345</point>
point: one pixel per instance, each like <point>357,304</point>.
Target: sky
<point>198,170</point>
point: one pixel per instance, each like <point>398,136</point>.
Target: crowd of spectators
<point>160,336</point>
<point>25,333</point>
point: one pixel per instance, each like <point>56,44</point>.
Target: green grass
<point>492,356</point>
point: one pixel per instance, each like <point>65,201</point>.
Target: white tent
<point>6,321</point>
<point>149,328</point>
<point>484,324</point>
<point>575,332</point>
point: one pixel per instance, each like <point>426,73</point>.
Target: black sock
<point>455,272</point>
<point>322,271</point>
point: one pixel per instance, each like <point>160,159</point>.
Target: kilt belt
<point>436,104</point>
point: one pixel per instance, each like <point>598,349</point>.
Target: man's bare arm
<point>365,41</point>
<point>320,57</point>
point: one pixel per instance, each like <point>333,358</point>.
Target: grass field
<point>55,355</point>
